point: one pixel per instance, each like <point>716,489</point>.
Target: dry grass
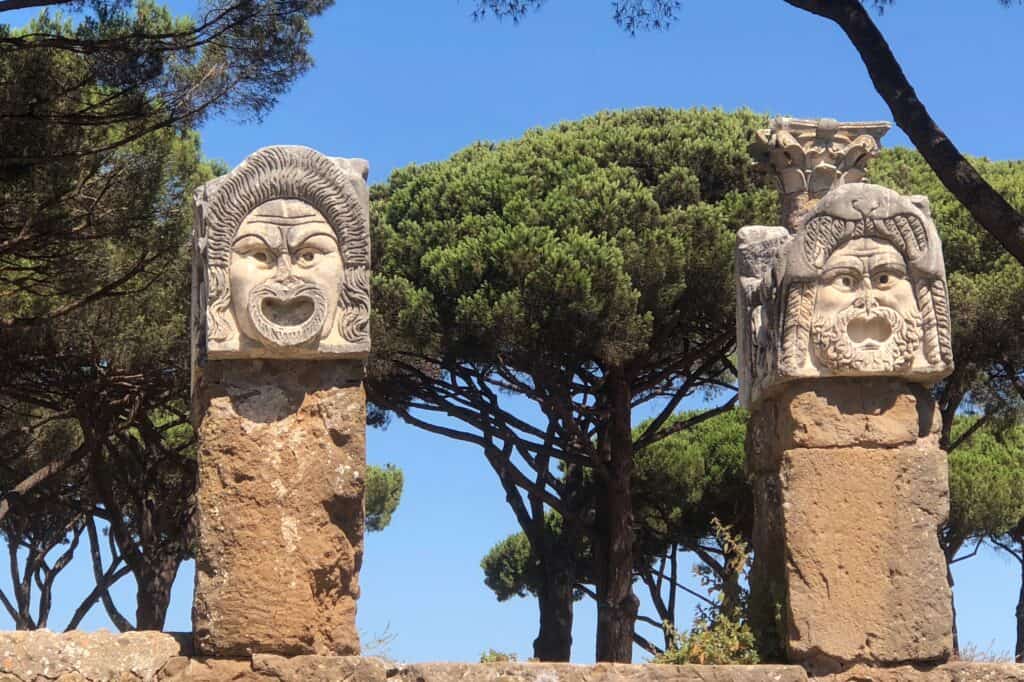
<point>975,653</point>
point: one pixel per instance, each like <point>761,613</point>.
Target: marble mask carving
<point>858,290</point>
<point>281,262</point>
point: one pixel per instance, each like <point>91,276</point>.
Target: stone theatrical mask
<point>281,264</point>
<point>285,274</point>
<point>859,290</point>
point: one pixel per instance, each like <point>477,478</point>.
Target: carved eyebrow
<point>887,258</point>
<point>288,224</point>
<point>845,264</point>
<point>289,220</point>
<point>252,235</point>
<point>298,237</point>
<point>890,267</point>
<point>887,261</point>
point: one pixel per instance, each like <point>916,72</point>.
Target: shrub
<point>726,640</point>
<point>492,656</point>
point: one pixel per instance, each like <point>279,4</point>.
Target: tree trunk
<point>952,600</point>
<point>560,571</point>
<point>1018,653</point>
<point>732,591</point>
<point>617,606</point>
<point>1017,535</point>
<point>554,599</point>
<point>154,593</point>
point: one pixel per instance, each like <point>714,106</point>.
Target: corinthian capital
<point>809,157</point>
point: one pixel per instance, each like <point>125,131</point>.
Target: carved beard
<point>299,310</point>
<point>836,349</point>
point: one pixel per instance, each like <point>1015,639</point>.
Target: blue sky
<point>411,81</point>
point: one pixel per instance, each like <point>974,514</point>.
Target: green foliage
<point>986,285</point>
<point>686,487</point>
<point>132,67</point>
<point>586,240</point>
<point>97,165</point>
<point>724,641</point>
<point>632,16</point>
<point>383,493</point>
<point>986,480</point>
<point>542,267</point>
<point>493,656</point>
<point>721,633</point>
<point>686,482</point>
<point>722,582</point>
<point>513,569</point>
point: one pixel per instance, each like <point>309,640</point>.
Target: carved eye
<point>843,282</point>
<point>306,257</point>
<point>261,257</point>
<point>887,280</point>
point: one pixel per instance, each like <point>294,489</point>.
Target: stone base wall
<point>44,656</point>
<point>851,488</point>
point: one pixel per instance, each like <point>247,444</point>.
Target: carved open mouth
<point>869,333</point>
<point>287,312</point>
<point>877,342</point>
<point>288,315</point>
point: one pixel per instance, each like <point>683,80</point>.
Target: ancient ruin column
<point>842,325</point>
<point>280,333</point>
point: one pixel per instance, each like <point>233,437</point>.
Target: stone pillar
<point>808,157</point>
<point>280,334</point>
<point>841,327</point>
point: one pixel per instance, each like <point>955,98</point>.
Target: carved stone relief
<point>859,290</point>
<point>281,263</point>
<point>808,157</point>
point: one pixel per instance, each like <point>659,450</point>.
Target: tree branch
<point>11,5</point>
<point>103,582</point>
<point>986,205</point>
<point>41,475</point>
<point>683,424</point>
<point>970,554</point>
<point>981,421</point>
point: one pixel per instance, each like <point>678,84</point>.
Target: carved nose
<point>866,302</point>
<point>284,267</point>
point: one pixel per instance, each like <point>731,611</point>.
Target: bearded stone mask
<point>865,318</point>
<point>858,290</point>
<point>281,264</point>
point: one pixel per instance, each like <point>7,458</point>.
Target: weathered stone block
<point>850,489</point>
<point>209,670</point>
<point>321,668</point>
<point>950,672</point>
<point>865,574</point>
<point>870,412</point>
<point>41,656</point>
<point>86,656</point>
<point>855,413</point>
<point>280,507</point>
